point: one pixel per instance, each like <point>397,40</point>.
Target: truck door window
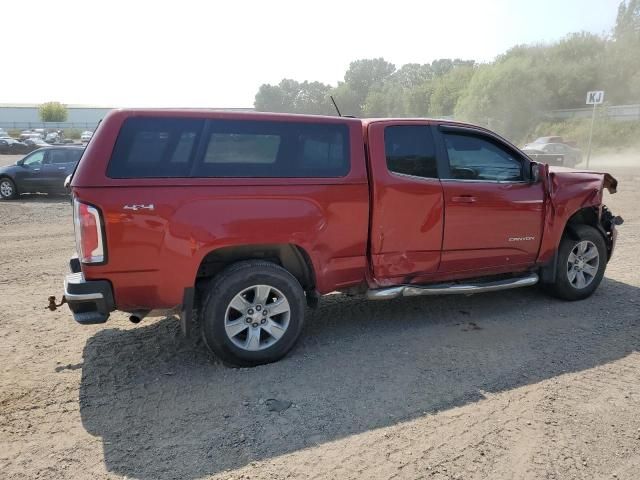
<point>472,157</point>
<point>410,150</point>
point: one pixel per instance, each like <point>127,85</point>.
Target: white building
<point>23,115</point>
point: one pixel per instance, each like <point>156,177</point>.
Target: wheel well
<point>584,216</point>
<point>291,257</point>
<point>4,175</point>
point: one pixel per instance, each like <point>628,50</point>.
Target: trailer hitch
<point>53,305</point>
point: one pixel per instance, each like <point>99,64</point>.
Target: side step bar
<point>452,288</point>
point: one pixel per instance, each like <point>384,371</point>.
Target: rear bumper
<point>90,301</point>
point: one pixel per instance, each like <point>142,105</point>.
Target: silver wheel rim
<point>257,317</point>
<point>6,189</point>
<point>582,265</point>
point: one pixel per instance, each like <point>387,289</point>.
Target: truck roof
<point>235,114</point>
<point>230,114</point>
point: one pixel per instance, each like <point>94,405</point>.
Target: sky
<point>190,53</point>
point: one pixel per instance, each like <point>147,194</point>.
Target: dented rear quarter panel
<point>154,255</point>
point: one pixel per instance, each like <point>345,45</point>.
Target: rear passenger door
<point>407,206</point>
<point>59,163</point>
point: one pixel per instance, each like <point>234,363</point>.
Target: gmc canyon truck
<point>237,220</point>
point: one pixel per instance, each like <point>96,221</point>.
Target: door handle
<point>464,199</point>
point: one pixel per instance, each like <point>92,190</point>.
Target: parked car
<point>43,170</point>
<point>245,217</point>
<point>11,146</point>
<point>86,136</point>
<point>551,139</point>
<point>53,137</point>
<point>553,153</point>
<point>31,134</point>
<point>35,142</point>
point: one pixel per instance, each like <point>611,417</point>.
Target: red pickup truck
<point>238,220</point>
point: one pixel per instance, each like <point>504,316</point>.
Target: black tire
<point>225,287</point>
<point>563,286</point>
<point>7,185</point>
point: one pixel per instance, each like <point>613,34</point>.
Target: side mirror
<point>535,172</point>
<point>20,162</point>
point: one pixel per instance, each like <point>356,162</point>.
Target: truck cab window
<point>472,157</point>
<point>410,150</point>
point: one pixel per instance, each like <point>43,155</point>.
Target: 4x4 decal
<point>135,208</point>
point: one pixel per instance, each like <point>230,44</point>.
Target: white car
<point>86,136</point>
<point>52,137</point>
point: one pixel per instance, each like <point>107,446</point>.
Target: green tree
<point>412,75</point>
<point>53,112</point>
<point>365,75</point>
<point>448,88</point>
<point>403,93</point>
<point>572,67</point>
<point>347,99</point>
<point>505,96</point>
<point>628,20</point>
<point>511,94</point>
<point>622,65</point>
<point>290,96</point>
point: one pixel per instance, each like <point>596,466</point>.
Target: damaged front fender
<point>610,183</point>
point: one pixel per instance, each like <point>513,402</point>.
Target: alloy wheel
<point>6,188</point>
<point>257,317</point>
<point>582,264</point>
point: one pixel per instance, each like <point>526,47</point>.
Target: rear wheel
<point>8,189</point>
<point>253,313</point>
<point>581,264</point>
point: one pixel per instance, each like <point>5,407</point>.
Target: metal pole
<point>593,118</point>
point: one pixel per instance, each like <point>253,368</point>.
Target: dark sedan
<point>43,170</point>
<point>12,146</point>
<point>553,153</point>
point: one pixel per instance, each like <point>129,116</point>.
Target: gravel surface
<point>508,385</point>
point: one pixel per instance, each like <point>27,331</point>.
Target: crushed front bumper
<point>90,301</point>
<point>609,222</point>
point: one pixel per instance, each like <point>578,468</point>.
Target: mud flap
<point>549,270</point>
<point>186,313</point>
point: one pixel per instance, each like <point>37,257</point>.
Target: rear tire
<point>253,313</point>
<point>8,190</point>
<point>582,260</point>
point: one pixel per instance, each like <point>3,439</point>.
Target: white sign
<point>595,98</point>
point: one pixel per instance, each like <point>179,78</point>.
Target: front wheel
<point>8,189</point>
<point>253,313</point>
<point>582,260</point>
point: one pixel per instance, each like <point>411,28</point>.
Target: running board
<point>452,288</point>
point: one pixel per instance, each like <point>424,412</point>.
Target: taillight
<point>88,228</point>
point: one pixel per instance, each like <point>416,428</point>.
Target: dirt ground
<point>509,385</point>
